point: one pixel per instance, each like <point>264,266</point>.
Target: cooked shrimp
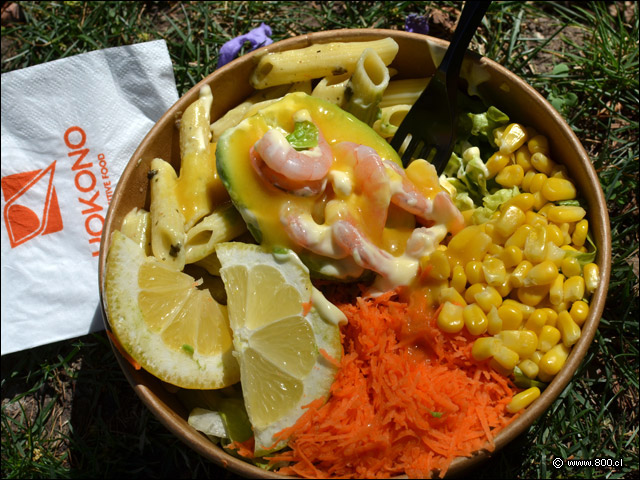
<point>371,181</point>
<point>364,252</point>
<point>441,209</point>
<point>279,163</point>
<point>277,180</point>
<point>306,232</point>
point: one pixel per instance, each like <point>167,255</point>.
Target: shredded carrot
<point>329,358</point>
<point>122,351</point>
<point>306,307</point>
<point>407,399</point>
<point>245,449</point>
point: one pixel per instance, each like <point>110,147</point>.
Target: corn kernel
<point>579,312</point>
<point>542,163</point>
<point>439,262</point>
<point>523,158</point>
<point>458,278</point>
<point>556,292</point>
<point>484,347</point>
<point>520,273</point>
<point>548,338</point>
<point>523,342</point>
<point>580,232</point>
<point>450,319</point>
<point>510,176</point>
<point>451,295</point>
<point>525,309</point>
<point>524,201</point>
<point>555,254</point>
<point>560,171</point>
<point>506,357</point>
<point>554,234</point>
<point>493,271</point>
<point>529,368</point>
<point>564,228</point>
<point>573,289</point>
<point>556,189</point>
<point>523,399</point>
<point>591,274</point>
<point>566,214</point>
<point>488,298</point>
<point>526,180</point>
<point>539,143</point>
<point>497,135</point>
<point>505,288</point>
<point>494,324</point>
<point>511,256</point>
<point>568,328</point>
<point>544,273</point>
<point>519,237</point>
<point>496,163</point>
<point>511,316</point>
<point>552,316</point>
<point>535,219</point>
<point>532,295</point>
<point>544,377</point>
<point>535,246</point>
<point>495,250</point>
<point>536,357</point>
<point>510,220</point>
<point>471,243</point>
<point>537,181</point>
<point>475,319</point>
<point>536,320</point>
<point>505,372</point>
<point>474,272</point>
<point>513,137</point>
<point>539,202</point>
<point>554,359</point>
<point>470,293</point>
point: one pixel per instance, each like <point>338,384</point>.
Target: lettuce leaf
<point>304,136</point>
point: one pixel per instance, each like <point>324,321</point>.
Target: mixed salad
<point>458,296</point>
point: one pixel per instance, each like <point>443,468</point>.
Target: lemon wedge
<point>285,333</point>
<point>174,330</point>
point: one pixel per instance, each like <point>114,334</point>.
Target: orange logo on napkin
<point>32,205</point>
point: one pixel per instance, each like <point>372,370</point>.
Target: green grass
<point>67,410</point>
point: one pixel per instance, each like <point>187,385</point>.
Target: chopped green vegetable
<point>304,136</point>
<point>522,381</point>
<point>188,349</point>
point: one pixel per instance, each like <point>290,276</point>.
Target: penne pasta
<point>403,92</point>
<point>168,236</point>
<point>196,185</point>
<point>317,61</point>
<point>210,263</point>
<point>137,226</point>
<point>366,87</point>
<point>254,103</point>
<point>332,88</point>
<point>390,119</point>
<point>223,225</point>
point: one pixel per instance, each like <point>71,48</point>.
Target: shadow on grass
<point>69,412</point>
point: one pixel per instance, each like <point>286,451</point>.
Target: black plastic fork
<point>431,121</point>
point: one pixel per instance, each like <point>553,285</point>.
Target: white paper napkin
<point>69,127</point>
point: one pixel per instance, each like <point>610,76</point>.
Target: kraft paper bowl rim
<point>132,191</point>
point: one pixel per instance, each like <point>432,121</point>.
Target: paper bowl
<point>231,86</point>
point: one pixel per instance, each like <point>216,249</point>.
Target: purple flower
<point>258,37</point>
<point>416,23</point>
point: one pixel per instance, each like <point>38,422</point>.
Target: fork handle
<point>470,19</point>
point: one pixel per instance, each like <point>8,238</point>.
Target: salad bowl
<point>417,57</point>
